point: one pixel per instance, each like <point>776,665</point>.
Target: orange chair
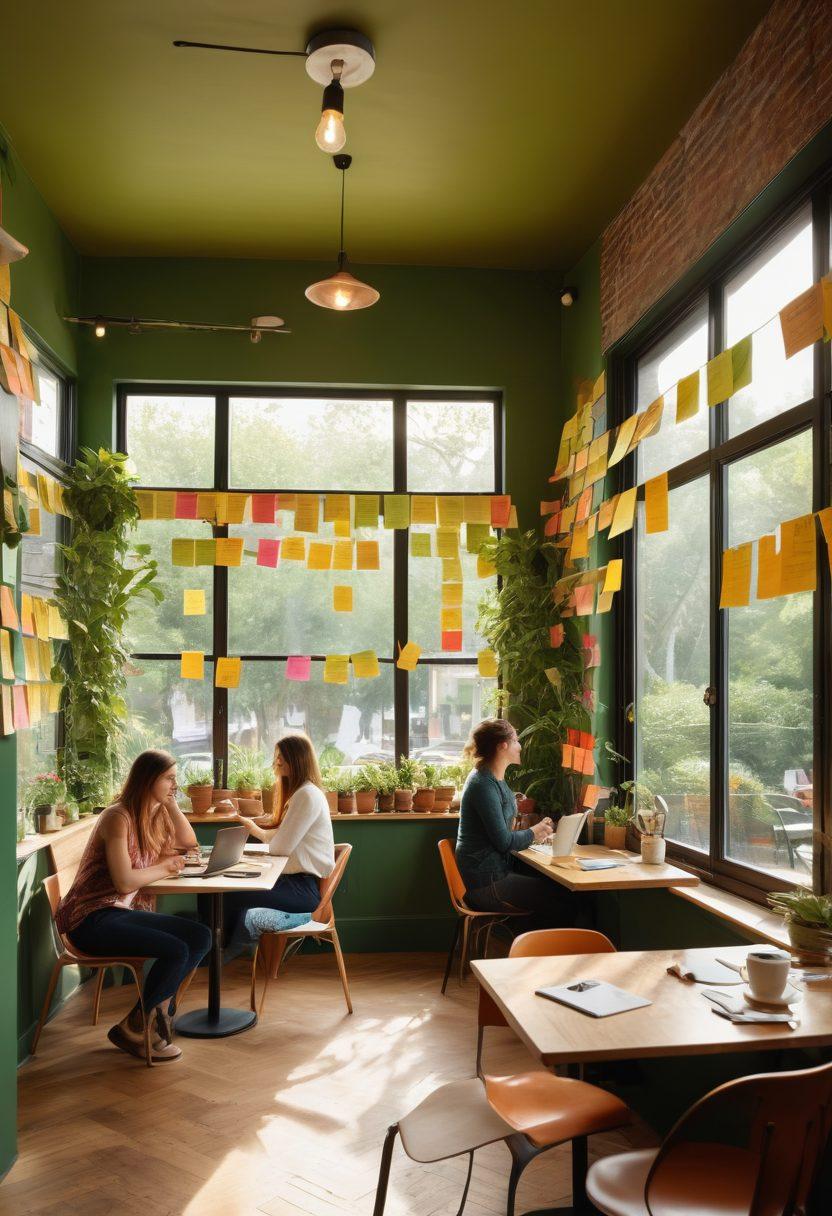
<point>68,956</point>
<point>778,1124</point>
<point>272,947</point>
<point>538,944</point>
<point>466,917</point>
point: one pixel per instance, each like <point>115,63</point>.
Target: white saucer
<point>790,997</point>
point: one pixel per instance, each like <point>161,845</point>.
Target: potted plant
<point>616,819</point>
<point>366,789</point>
<point>407,778</point>
<point>808,920</point>
<point>455,776</point>
<point>267,787</point>
<point>346,794</point>
<point>45,793</point>
<point>200,788</point>
<point>425,796</point>
<point>445,789</point>
<point>386,781</point>
<point>329,779</point>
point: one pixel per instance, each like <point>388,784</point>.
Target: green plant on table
<point>456,774</point>
<point>386,777</point>
<point>367,778</point>
<point>197,775</point>
<point>814,911</point>
<point>329,776</point>
<point>267,778</point>
<point>617,816</point>
<point>431,776</point>
<point>409,774</point>
<point>345,783</point>
<point>46,789</point>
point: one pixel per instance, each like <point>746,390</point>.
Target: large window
<point>259,442</point>
<point>729,724</point>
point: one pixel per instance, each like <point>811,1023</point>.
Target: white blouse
<point>305,834</point>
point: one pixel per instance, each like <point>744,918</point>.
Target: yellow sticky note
<point>237,504</point>
<point>165,504</point>
<point>656,504</point>
<point>487,663</point>
<point>649,421</point>
<point>205,552</point>
<point>206,507</point>
<point>34,521</point>
<point>485,568</point>
<point>319,556</point>
<point>768,568</point>
<point>408,657</point>
<point>293,549</point>
<point>451,570</point>
<point>720,374</point>
<point>336,668</point>
<point>342,599</point>
<point>342,527</point>
<point>580,541</point>
<point>599,388</point>
<point>451,619</point>
<point>366,510</point>
<point>450,509</point>
<point>477,509</point>
<point>396,511</point>
<point>193,603</point>
<point>625,510</point>
<point>612,578</point>
<point>34,701</point>
<point>512,519</point>
<point>420,544</point>
<point>342,555</point>
<point>56,624</point>
<point>623,437</point>
<point>801,321</point>
<point>46,658</point>
<point>423,509</point>
<point>336,508</point>
<point>40,611</point>
<point>476,535</point>
<point>736,577</point>
<point>447,541</point>
<point>6,657</point>
<point>365,665</point>
<point>53,698</point>
<point>741,363</point>
<point>192,665</point>
<point>451,595</point>
<point>366,555</point>
<point>145,503</point>
<point>798,555</point>
<point>31,664</point>
<point>182,552</point>
<point>229,551</point>
<point>307,513</point>
<point>687,397</point>
<point>228,673</point>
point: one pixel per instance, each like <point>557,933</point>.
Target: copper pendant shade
<point>342,291</point>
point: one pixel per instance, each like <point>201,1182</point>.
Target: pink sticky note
<point>452,639</point>
<point>185,505</point>
<point>262,508</point>
<point>21,707</point>
<point>298,667</point>
<point>267,552</point>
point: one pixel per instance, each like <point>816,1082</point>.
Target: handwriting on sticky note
<point>365,665</point>
<point>228,672</point>
<point>366,555</point>
<point>336,669</point>
<point>342,599</point>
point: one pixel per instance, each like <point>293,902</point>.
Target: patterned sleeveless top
<point>93,887</point>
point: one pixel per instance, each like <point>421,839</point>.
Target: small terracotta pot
<point>346,804</point>
<point>248,792</point>
<point>267,798</point>
<point>251,807</point>
<point>614,837</point>
<point>332,799</point>
<point>444,798</point>
<point>365,801</point>
<point>423,800</point>
<point>403,800</point>
<point>201,797</point>
<point>224,795</point>
<point>526,806</point>
<point>386,802</point>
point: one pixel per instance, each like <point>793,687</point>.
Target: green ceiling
<point>492,133</point>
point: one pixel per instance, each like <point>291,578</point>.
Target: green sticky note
<point>182,552</point>
<point>741,363</point>
<point>475,536</point>
<point>397,510</point>
<point>10,557</point>
<point>205,552</point>
<point>420,544</point>
<point>366,511</point>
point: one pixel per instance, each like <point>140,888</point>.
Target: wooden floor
<point>285,1119</point>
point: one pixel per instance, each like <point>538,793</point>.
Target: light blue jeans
<point>257,921</point>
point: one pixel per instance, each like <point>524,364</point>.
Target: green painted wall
<point>432,328</point>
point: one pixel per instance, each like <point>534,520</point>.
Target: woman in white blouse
<point>304,835</point>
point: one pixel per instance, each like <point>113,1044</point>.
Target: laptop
<point>227,851</point>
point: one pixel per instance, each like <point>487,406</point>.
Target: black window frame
<point>222,394</point>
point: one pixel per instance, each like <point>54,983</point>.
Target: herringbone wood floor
<point>284,1120</point>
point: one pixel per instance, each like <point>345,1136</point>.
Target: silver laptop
<point>227,851</point>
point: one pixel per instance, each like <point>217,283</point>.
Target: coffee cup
<point>768,973</point>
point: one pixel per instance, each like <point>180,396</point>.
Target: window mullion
<point>401,580</point>
<point>719,622</point>
<point>220,641</point>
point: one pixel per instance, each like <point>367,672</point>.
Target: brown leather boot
<point>161,1030</point>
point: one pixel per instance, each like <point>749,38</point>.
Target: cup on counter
<point>653,850</point>
<point>767,970</point>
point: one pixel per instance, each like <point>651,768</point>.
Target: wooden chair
<point>272,947</point>
<point>538,944</point>
<point>776,1126</point>
<point>531,1112</point>
<point>466,917</point>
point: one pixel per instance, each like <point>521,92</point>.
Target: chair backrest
<point>66,851</point>
<point>52,887</point>
<point>456,887</point>
<point>784,1118</point>
<point>541,942</point>
<point>329,885</point>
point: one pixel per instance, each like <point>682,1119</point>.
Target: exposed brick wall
<point>775,96</point>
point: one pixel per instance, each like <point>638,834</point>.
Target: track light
<point>568,296</point>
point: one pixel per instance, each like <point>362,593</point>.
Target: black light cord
<point>246,50</point>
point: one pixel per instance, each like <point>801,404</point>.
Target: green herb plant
<point>814,911</point>
<point>409,774</point>
<point>197,775</point>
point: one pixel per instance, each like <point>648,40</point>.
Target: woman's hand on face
<point>543,829</point>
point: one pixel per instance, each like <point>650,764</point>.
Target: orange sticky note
<point>656,504</point>
<point>27,614</point>
<point>423,509</point>
<point>408,656</point>
<point>8,611</point>
<point>366,555</point>
<point>580,541</point>
<point>452,640</point>
<point>450,510</point>
<point>293,549</point>
<point>342,599</point>
<point>736,577</point>
<point>228,672</point>
<point>336,508</point>
<point>801,321</point>
<point>825,518</point>
<point>192,665</point>
<point>342,555</point>
<point>566,755</point>
<point>451,595</point>
<point>307,512</point>
<point>768,568</point>
<point>320,556</point>
<point>612,578</point>
<point>798,555</point>
<point>500,510</point>
<point>625,510</point>
<point>556,633</point>
<point>451,619</point>
<point>229,551</point>
<point>447,541</point>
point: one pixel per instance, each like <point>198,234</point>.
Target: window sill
<point>33,844</point>
<point>748,917</point>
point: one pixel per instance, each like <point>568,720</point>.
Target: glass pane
<point>355,719</point>
<point>40,424</point>
<point>36,750</point>
<point>168,712</point>
<point>753,297</point>
<point>288,610</point>
<point>445,702</point>
<point>678,354</point>
<point>39,554</point>
<point>450,446</point>
<point>770,678</point>
<point>425,601</point>
<point>163,628</point>
<point>171,439</point>
<point>673,755</point>
<point>306,443</point>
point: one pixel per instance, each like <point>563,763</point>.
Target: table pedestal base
<point>201,1024</point>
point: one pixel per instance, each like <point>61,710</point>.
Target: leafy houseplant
<point>102,572</point>
<point>244,771</point>
<point>329,781</point>
<point>387,779</point>
<point>46,797</point>
<point>808,919</point>
<point>408,775</point>
<point>366,789</point>
<point>346,794</point>
<point>616,819</point>
<point>267,786</point>
<point>199,788</point>
<point>425,796</point>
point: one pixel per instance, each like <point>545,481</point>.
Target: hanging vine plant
<point>515,619</point>
<point>102,571</point>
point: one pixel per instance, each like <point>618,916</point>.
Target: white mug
<point>768,973</point>
<point>653,850</point>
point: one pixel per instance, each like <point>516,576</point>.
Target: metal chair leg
<point>467,1183</point>
<point>384,1169</point>
<point>580,1165</point>
<point>451,954</point>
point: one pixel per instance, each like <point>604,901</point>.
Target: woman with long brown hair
<point>106,911</point>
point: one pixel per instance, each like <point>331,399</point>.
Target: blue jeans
<point>176,944</point>
<point>291,893</point>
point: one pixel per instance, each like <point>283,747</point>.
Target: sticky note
<point>423,509</point>
<point>580,541</point>
<point>477,509</point>
<point>8,611</point>
<point>287,502</point>
<point>336,508</point>
<point>604,602</point>
<point>623,439</point>
<point>485,568</point>
<point>57,624</point>
<point>500,510</point>
<point>6,656</point>
<point>193,602</point>
<point>449,509</point>
<point>33,701</point>
<point>336,669</point>
<point>165,504</point>
<point>182,552</point>
<point>21,707</point>
<point>342,599</point>
<point>566,755</point>
<point>649,421</point>
<point>192,665</point>
<point>319,556</point>
<point>263,508</point>
<point>486,663</point>
<point>53,698</point>
<point>34,521</point>
<point>229,551</point>
<point>476,535</point>
<point>307,512</point>
<point>145,501</point>
<point>366,510</point>
<point>185,507</point>
<point>365,665</point>
<point>798,554</point>
<point>7,723</point>
<point>556,633</point>
<point>656,504</point>
<point>741,363</point>
<point>366,555</point>
<point>736,577</point>
<point>396,511</point>
<point>342,555</point>
<point>447,541</point>
<point>46,658</point>
<point>237,504</point>
<point>584,600</point>
<point>408,656</point>
<point>720,375</point>
<point>293,549</point>
<point>625,510</point>
<point>298,667</point>
<point>40,611</point>
<point>801,321</point>
<point>452,640</point>
<point>687,397</point>
<point>825,520</point>
<point>451,619</point>
<point>268,551</point>
<point>768,568</point>
<point>228,672</point>
<point>420,544</point>
<point>612,578</point>
<point>205,552</point>
<point>554,677</point>
<point>206,507</point>
<point>512,518</point>
<point>341,527</point>
<point>451,570</point>
<point>451,595</point>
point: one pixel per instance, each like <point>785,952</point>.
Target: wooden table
<point>679,1022</point>
<point>216,1022</point>
<point>634,876</point>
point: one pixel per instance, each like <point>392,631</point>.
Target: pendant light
<point>342,291</point>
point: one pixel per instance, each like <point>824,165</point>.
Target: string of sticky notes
<point>787,568</point>
<point>26,650</point>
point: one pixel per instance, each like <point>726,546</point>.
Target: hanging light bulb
<point>342,291</point>
<point>330,135</point>
<point>100,329</point>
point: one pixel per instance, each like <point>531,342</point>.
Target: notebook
<point>594,997</point>
<point>566,833</point>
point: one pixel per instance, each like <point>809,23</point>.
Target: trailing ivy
<point>102,571</point>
